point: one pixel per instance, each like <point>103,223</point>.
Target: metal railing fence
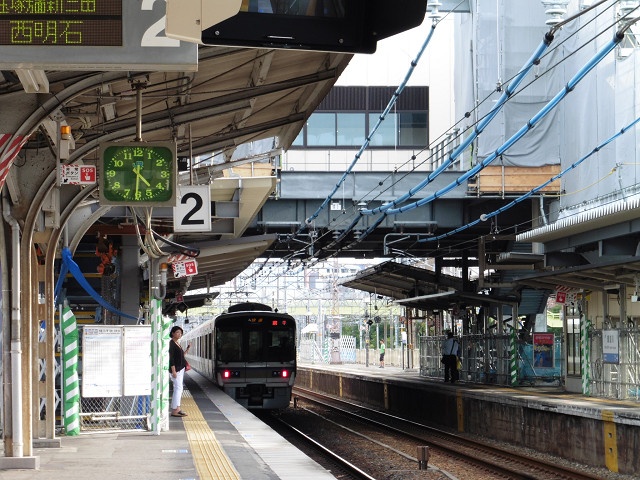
<point>485,359</point>
<point>99,414</point>
<point>615,380</point>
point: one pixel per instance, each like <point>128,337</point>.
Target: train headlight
<point>226,374</point>
<point>285,374</point>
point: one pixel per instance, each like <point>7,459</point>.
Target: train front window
<point>255,345</point>
<point>229,345</point>
<point>281,345</point>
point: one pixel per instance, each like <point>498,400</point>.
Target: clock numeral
<point>165,174</point>
<point>138,152</point>
<point>127,191</point>
<point>160,186</point>
<point>160,162</point>
<point>138,195</point>
<point>149,192</point>
<point>118,163</point>
<point>116,185</point>
<point>126,154</point>
<point>111,173</point>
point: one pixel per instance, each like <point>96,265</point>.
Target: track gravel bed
<point>377,460</point>
<point>383,463</point>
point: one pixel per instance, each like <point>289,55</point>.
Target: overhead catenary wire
<point>516,136</point>
<point>520,133</point>
<point>353,224</point>
<point>601,54</point>
<point>535,58</point>
<point>523,197</point>
<point>382,117</point>
<point>359,216</point>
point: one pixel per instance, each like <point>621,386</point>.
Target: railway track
<point>485,457</point>
<point>334,462</point>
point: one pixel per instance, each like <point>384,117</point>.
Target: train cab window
<point>281,345</point>
<point>229,345</point>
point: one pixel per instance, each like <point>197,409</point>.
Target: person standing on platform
<point>450,353</point>
<point>381,353</point>
<point>177,367</point>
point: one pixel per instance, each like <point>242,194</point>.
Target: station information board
<point>116,360</point>
<point>63,23</point>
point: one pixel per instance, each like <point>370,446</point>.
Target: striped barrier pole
<point>325,350</point>
<point>71,391</point>
<point>164,369</point>
<point>513,358</point>
<point>585,349</point>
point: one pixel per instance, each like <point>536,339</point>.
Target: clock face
<point>137,174</point>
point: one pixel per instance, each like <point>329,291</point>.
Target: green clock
<point>138,174</point>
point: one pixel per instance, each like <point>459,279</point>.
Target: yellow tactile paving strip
<point>210,460</point>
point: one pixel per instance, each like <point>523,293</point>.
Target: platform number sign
<point>192,212</point>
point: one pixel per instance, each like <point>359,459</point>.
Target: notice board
<point>137,360</point>
<point>116,361</point>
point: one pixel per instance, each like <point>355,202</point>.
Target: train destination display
<point>61,22</point>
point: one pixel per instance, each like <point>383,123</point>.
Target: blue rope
<point>519,134</point>
<point>534,190</point>
<point>364,146</point>
<point>535,57</point>
<point>67,258</point>
<point>530,124</point>
<point>477,131</point>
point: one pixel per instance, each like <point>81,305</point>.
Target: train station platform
<point>218,440</point>
<point>588,430</point>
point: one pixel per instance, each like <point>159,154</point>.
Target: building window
<point>299,141</point>
<point>412,129</point>
<point>351,129</point>
<point>348,114</point>
<point>385,136</point>
<point>325,129</point>
<point>321,130</point>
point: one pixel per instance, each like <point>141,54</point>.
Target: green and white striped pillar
<point>585,350</point>
<point>164,372</point>
<point>156,364</point>
<point>71,383</point>
<point>513,358</point>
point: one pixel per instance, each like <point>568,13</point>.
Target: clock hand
<point>137,172</point>
<point>138,177</point>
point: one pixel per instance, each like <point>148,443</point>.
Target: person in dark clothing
<point>450,353</point>
<point>177,366</point>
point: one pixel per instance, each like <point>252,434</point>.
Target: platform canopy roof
<point>241,106</point>
<point>414,286</point>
